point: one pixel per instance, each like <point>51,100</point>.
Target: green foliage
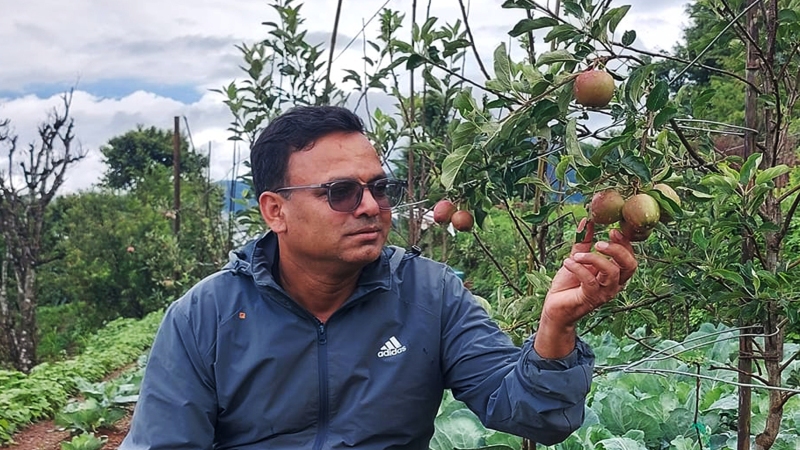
<point>40,394</point>
<point>458,427</point>
<point>130,156</point>
<point>690,404</point>
<point>280,71</point>
<point>103,403</point>
<point>64,329</point>
<point>117,252</point>
<point>84,441</point>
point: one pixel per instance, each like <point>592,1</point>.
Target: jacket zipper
<point>322,340</point>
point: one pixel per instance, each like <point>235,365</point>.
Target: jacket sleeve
<point>510,389</point>
<point>177,405</point>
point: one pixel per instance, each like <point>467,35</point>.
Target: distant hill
<point>238,193</point>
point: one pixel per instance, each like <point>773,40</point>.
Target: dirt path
<point>46,436</point>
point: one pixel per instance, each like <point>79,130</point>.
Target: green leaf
<point>573,8</point>
<point>628,37</point>
<point>636,166</point>
<point>526,25</point>
<point>772,173</point>
<point>788,16</point>
<point>667,204</point>
<point>589,173</point>
<point>562,33</point>
<point>702,100</point>
<point>452,47</point>
<point>426,27</point>
<point>414,61</point>
<point>545,111</point>
<point>699,239</point>
<point>562,167</point>
<point>502,66</point>
<point>749,168</point>
<point>402,46</point>
<point>728,275</point>
<point>464,102</point>
<point>464,134</point>
<point>452,165</point>
<point>615,15</point>
<point>541,216</point>
<point>634,87</point>
<point>607,146</point>
<point>659,96</point>
<point>462,429</point>
<point>537,182</point>
<point>573,146</point>
<point>664,116</point>
<point>727,184</point>
<point>554,56</point>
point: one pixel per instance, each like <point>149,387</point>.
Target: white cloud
<point>99,119</point>
<point>192,43</point>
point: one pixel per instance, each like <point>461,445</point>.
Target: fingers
<point>606,272</point>
<point>621,251</point>
<point>585,245</point>
<point>592,293</point>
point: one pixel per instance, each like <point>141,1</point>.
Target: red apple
<point>593,88</point>
<point>443,210</point>
<point>606,207</point>
<point>462,220</point>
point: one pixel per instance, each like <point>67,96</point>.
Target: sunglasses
<point>346,195</point>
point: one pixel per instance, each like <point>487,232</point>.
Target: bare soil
<point>46,436</point>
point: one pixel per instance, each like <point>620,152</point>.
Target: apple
<point>606,207</point>
<point>443,210</point>
<point>593,88</point>
<point>641,211</point>
<point>462,220</point>
<point>634,234</point>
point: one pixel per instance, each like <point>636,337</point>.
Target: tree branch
<point>472,40</point>
<point>497,264</point>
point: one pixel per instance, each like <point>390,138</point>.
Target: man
<point>318,336</point>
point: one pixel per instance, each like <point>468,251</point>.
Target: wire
<point>362,30</point>
<point>713,41</point>
<point>189,132</point>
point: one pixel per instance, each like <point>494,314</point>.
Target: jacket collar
<point>258,259</point>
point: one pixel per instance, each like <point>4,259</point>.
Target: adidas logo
<point>391,347</point>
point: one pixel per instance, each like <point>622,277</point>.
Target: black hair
<point>295,130</point>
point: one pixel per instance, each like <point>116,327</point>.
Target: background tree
<point>27,187</point>
<point>130,156</point>
<point>281,71</point>
<point>116,252</point>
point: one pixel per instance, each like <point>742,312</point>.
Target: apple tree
<point>710,225</point>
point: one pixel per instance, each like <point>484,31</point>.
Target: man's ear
<point>271,206</point>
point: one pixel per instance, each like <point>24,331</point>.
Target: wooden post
<point>745,365</point>
<point>176,175</point>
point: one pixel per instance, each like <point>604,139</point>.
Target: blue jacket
<point>238,364</point>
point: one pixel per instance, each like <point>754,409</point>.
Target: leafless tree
<point>27,186</point>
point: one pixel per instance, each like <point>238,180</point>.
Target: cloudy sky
<point>147,61</point>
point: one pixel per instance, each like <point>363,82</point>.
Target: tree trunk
<point>6,324</point>
<point>27,335</point>
<point>751,122</point>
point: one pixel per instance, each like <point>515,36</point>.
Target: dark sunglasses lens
<point>388,193</point>
<point>344,196</point>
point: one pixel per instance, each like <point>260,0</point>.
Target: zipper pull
<point>322,337</point>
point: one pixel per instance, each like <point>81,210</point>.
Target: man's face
<point>314,232</point>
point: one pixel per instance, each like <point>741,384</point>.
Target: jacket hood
<point>257,259</point>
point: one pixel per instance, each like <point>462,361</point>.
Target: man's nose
<point>368,206</point>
